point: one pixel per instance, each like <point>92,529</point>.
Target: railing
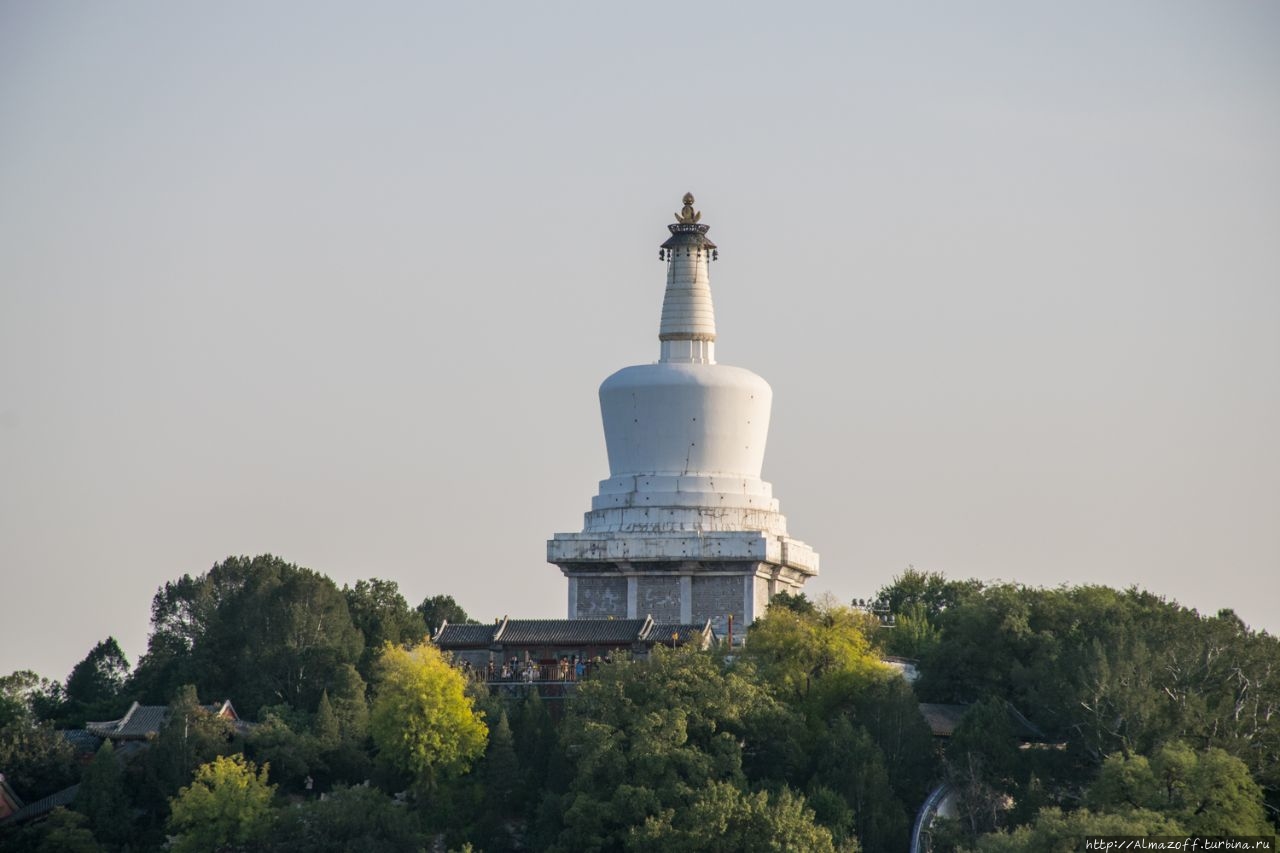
<point>924,818</point>
<point>531,673</point>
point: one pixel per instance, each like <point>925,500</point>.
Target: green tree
<point>37,760</point>
<point>849,763</point>
<point>102,797</point>
<point>325,725</point>
<point>292,755</point>
<point>501,769</point>
<point>913,635</point>
<point>723,819</point>
<point>642,737</point>
<point>422,721</point>
<point>96,683</point>
<point>348,819</point>
<point>931,590</point>
<point>814,659</point>
<point>1207,792</point>
<point>438,609</point>
<point>63,831</point>
<point>982,758</point>
<point>890,712</point>
<point>227,806</point>
<point>27,698</point>
<point>262,630</point>
<point>798,603</point>
<point>1055,831</point>
<point>348,759</point>
<point>383,616</point>
<point>189,737</point>
<point>347,695</point>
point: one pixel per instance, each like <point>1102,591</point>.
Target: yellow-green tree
<point>814,659</point>
<point>422,720</point>
<point>227,806</point>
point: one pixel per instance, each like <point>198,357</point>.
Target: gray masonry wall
<point>716,597</point>
<point>599,598</point>
<point>658,597</point>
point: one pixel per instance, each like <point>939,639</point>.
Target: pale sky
<point>339,282</point>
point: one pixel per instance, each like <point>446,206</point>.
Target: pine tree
<point>501,769</point>
<point>325,725</point>
<point>102,799</point>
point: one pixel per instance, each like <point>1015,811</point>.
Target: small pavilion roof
<point>144,721</point>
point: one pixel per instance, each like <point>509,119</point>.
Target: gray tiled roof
<point>143,721</point>
<point>461,636</point>
<point>65,797</point>
<point>572,632</point>
<point>569,632</point>
<point>82,740</point>
<point>661,632</point>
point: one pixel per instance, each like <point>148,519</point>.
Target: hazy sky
<point>339,282</point>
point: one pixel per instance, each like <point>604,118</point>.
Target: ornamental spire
<point>688,327</point>
<point>687,215</point>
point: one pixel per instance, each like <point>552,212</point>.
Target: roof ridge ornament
<point>687,215</point>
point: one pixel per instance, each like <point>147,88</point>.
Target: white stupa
<point>684,529</point>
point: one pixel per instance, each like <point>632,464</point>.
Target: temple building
<point>684,530</point>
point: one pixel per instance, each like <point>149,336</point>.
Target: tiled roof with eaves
<point>573,632</point>
<point>82,740</point>
<point>662,632</point>
<point>144,721</point>
<point>465,636</point>
<point>63,798</point>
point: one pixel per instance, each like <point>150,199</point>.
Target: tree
<point>931,590</point>
<point>914,635</point>
<point>890,712</point>
<point>102,798</point>
<point>63,831</point>
<point>227,805</point>
<point>982,756</point>
<point>189,737</point>
<point>356,818</point>
<point>346,691</point>
<point>37,760</point>
<point>501,769</point>
<point>422,721</point>
<point>438,609</point>
<point>97,681</point>
<point>798,603</point>
<point>325,725</point>
<point>1055,831</point>
<point>814,659</point>
<point>722,819</point>
<point>383,616</point>
<point>641,737</point>
<point>849,763</point>
<point>292,755</point>
<point>1207,793</point>
<point>262,630</point>
<point>27,698</point>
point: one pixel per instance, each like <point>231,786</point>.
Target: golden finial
<point>687,214</point>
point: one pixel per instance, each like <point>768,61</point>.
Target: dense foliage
<point>1101,672</point>
<point>1147,718</point>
